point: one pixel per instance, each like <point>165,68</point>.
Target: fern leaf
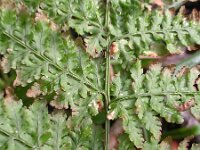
<point>183,145</point>
<point>33,127</point>
<point>32,5</point>
<point>153,124</point>
<point>61,69</point>
<point>155,93</point>
<point>87,20</point>
<point>72,75</point>
<point>131,127</point>
<point>47,57</point>
<point>152,32</point>
<point>151,145</point>
<point>195,110</point>
<point>165,145</point>
<point>195,146</point>
<point>125,143</point>
<point>141,33</point>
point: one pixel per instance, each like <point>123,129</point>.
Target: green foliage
<point>183,132</point>
<point>195,147</point>
<point>50,59</point>
<point>125,143</point>
<point>86,18</point>
<point>149,32</point>
<point>167,145</point>
<point>33,127</point>
<point>38,40</point>
<point>154,93</point>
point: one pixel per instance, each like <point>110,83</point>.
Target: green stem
<point>183,132</point>
<point>107,82</point>
<point>155,94</point>
<point>152,32</point>
<point>107,89</point>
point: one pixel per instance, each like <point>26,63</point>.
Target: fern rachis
<point>73,75</point>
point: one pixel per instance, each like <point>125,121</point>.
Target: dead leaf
<point>9,94</point>
<point>17,81</point>
<point>40,16</point>
<point>111,115</point>
<point>159,3</point>
<point>58,105</point>
<point>187,105</point>
<point>74,111</point>
<point>112,73</point>
<point>4,65</point>
<point>34,91</point>
<point>151,54</point>
<point>113,48</point>
<point>181,72</point>
<point>100,105</point>
<point>53,26</point>
<point>7,4</point>
<point>115,131</point>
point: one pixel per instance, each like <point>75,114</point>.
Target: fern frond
<point>125,143</point>
<point>86,17</point>
<point>152,145</point>
<point>195,146</point>
<point>195,110</point>
<point>81,78</point>
<point>155,31</point>
<point>40,54</point>
<point>143,34</point>
<point>132,128</point>
<point>164,145</point>
<point>167,144</point>
<point>154,93</point>
<point>152,123</point>
<point>34,128</point>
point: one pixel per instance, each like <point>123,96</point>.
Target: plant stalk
<point>107,81</point>
<point>182,132</point>
<point>107,89</point>
<point>134,96</point>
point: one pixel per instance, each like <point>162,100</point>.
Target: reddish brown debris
<point>100,105</point>
<point>115,131</point>
<point>112,73</point>
<point>40,16</point>
<point>158,3</point>
<point>17,81</point>
<point>58,105</point>
<point>187,105</point>
<point>34,91</point>
<point>9,94</point>
<point>113,48</point>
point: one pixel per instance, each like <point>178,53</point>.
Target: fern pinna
<point>73,72</point>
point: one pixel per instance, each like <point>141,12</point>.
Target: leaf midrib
<point>69,73</point>
<point>152,32</point>
<point>155,94</point>
<point>16,138</point>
